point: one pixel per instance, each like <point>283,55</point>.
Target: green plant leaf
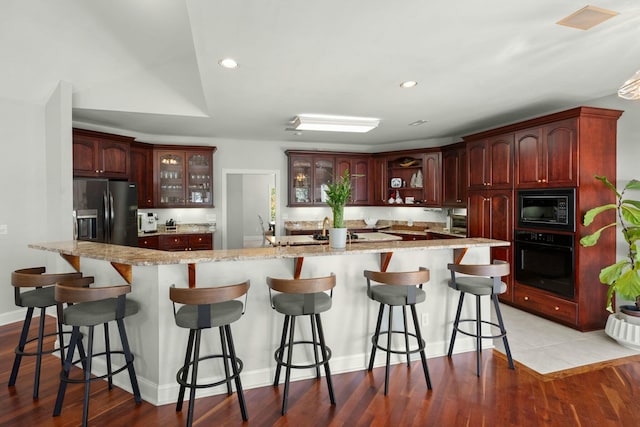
<point>606,182</point>
<point>609,275</point>
<point>630,214</point>
<point>628,285</point>
<point>634,184</point>
<point>592,213</point>
<point>592,239</point>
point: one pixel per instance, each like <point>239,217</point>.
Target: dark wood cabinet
<point>358,167</point>
<point>309,175</point>
<point>100,155</point>
<point>546,156</point>
<point>432,195</point>
<point>149,242</point>
<point>454,176</point>
<point>141,159</point>
<point>185,242</point>
<point>490,161</point>
<point>490,214</point>
<point>183,176</point>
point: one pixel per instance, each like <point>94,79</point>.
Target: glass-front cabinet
<point>184,178</point>
<point>309,176</point>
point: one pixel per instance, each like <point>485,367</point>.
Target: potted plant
<point>622,276</point>
<point>338,193</point>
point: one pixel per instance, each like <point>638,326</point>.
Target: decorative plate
<point>396,182</point>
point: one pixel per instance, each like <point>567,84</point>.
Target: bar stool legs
<point>287,341</point>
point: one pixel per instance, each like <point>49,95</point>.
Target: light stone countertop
<point>140,256</point>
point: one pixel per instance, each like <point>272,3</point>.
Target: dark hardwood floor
<point>604,395</point>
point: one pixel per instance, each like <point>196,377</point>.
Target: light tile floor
<point>546,346</point>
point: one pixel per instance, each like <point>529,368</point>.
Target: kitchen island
<point>158,344</point>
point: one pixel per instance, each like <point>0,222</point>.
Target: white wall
<point>36,187</point>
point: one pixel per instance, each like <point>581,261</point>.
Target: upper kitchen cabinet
<point>183,176</point>
<point>100,155</point>
<point>309,175</point>
<point>454,176</point>
<point>432,182</point>
<point>141,158</point>
<point>490,161</point>
<point>358,166</point>
<point>546,156</point>
<point>405,177</point>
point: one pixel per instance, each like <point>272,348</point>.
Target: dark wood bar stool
<point>206,308</point>
<point>480,280</point>
<point>42,296</point>
<point>398,289</point>
<point>88,307</point>
<point>302,297</point>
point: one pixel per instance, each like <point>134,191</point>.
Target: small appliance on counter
<point>148,222</point>
<point>170,225</point>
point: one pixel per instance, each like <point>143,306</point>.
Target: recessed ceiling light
<point>417,123</point>
<point>408,84</point>
<point>228,63</point>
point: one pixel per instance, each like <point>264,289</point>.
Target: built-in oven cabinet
<point>546,156</point>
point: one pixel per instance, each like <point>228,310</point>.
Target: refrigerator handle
<point>107,223</point>
<point>112,214</point>
<point>75,226</point>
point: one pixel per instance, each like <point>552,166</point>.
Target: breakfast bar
<point>158,343</point>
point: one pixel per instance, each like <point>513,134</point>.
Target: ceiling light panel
<point>328,123</point>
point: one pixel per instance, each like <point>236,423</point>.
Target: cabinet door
<point>169,176</point>
<point>200,242</point>
<point>529,168</point>
<point>323,175</point>
<point>478,214</point>
<point>560,153</point>
<point>359,171</point>
<point>501,161</point>
<point>198,179</point>
<point>454,176</point>
<point>300,179</point>
<point>502,229</point>
<point>84,157</point>
<point>478,164</point>
<point>178,242</point>
<point>432,182</point>
<point>379,180</point>
<point>141,172</point>
<point>113,159</point>
<point>149,242</point>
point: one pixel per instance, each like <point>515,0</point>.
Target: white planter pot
<point>338,238</point>
<point>624,329</point>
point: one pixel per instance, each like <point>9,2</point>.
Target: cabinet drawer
<point>543,303</point>
<point>174,242</point>
<point>200,242</point>
<point>149,242</point>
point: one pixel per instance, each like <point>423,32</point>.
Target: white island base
<point>159,345</point>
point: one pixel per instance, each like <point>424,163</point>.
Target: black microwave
<point>548,209</point>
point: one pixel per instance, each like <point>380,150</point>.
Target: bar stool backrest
<point>405,278</point>
<point>75,294</point>
<point>302,286</point>
<point>36,278</point>
<point>496,270</point>
<point>212,295</point>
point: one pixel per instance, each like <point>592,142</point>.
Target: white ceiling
<point>150,67</point>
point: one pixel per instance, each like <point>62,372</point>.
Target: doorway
<point>246,195</point>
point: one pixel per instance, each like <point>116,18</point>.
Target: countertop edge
<point>148,257</point>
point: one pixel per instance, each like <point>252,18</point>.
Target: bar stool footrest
<point>420,347</point>
<point>239,366</point>
<point>101,377</point>
<point>27,342</point>
<point>486,322</point>
<point>294,366</point>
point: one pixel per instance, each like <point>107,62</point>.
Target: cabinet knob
<point>526,298</point>
<point>556,308</point>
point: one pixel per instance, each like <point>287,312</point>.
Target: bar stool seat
<point>88,307</point>
<point>398,289</point>
<point>302,297</point>
<point>480,280</point>
<point>41,297</point>
<point>205,308</point>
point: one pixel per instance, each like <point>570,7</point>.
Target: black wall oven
<point>545,261</point>
<point>547,209</point>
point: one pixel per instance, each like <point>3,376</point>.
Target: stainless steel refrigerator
<point>105,211</point>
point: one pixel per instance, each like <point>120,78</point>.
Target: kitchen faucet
<point>325,225</point>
